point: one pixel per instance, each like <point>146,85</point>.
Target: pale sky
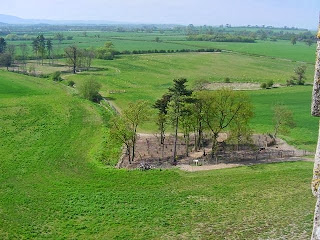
<point>298,13</point>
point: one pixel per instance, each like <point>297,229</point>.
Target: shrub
<point>270,84</point>
<point>263,85</point>
<point>227,80</point>
<point>71,83</point>
<point>90,90</point>
<point>56,76</point>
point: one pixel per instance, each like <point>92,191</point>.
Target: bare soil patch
<point>150,152</point>
<point>236,86</point>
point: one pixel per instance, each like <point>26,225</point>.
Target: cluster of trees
<point>78,58</point>
<point>234,34</point>
<point>189,112</point>
<point>42,48</point>
<point>219,37</point>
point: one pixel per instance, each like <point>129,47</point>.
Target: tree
<point>282,119</point>
<point>299,77</point>
<point>106,52</point>
<point>187,123</point>
<point>179,95</point>
<point>223,108</point>
<point>73,57</point>
<point>41,46</point>
<point>24,52</point>
<point>6,60</point>
<point>134,115</point>
<point>121,131</point>
<point>3,45</point>
<point>240,131</point>
<point>309,42</point>
<point>59,37</point>
<point>294,40</point>
<point>49,48</point>
<point>11,49</point>
<point>197,110</point>
<point>36,47</point>
<point>89,89</point>
<point>162,106</point>
<point>87,55</point>
<point>300,74</point>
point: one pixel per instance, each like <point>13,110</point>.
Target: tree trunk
<point>134,140</point>
<point>162,133</point>
<point>195,141</point>
<point>200,135</point>
<point>215,147</point>
<point>175,142</point>
<point>129,154</point>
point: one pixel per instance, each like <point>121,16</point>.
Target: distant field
<point>154,72</point>
<point>52,185</point>
<point>176,41</point>
<point>279,49</point>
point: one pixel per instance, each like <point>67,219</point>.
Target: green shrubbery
<point>71,83</point>
<point>56,76</point>
<point>89,89</point>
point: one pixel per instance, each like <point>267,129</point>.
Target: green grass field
<point>176,41</point>
<point>280,49</point>
<point>53,186</point>
<point>154,74</point>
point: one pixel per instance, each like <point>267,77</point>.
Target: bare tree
<point>73,57</point>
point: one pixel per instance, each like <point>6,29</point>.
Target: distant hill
<point>11,19</point>
<point>8,19</point>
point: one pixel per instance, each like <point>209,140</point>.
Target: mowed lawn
<point>54,185</point>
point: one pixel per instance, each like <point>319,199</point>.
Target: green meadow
<point>153,73</point>
<point>57,157</point>
<point>53,184</point>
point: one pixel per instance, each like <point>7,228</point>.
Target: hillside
<point>52,185</point>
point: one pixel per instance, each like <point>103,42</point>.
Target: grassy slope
<point>51,186</point>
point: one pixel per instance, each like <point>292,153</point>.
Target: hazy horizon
<point>294,13</point>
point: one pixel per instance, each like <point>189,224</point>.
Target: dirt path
<point>193,168</point>
<point>112,105</point>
